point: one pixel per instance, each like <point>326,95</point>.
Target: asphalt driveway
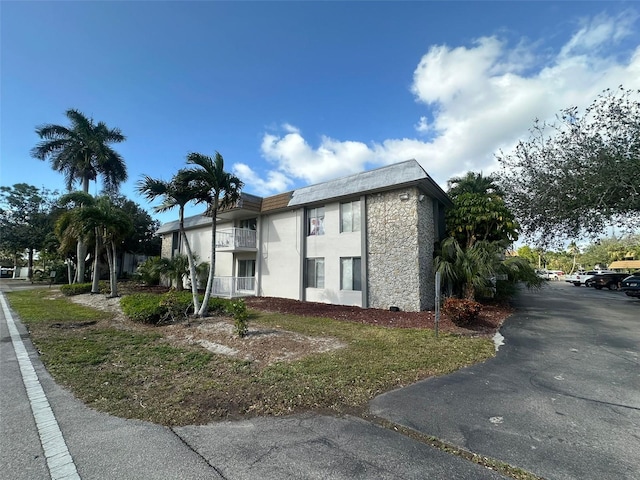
<point>561,399</point>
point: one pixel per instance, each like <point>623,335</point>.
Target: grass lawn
<point>137,371</point>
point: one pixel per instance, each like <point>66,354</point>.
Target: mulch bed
<point>490,320</point>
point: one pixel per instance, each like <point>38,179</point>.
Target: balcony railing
<point>232,287</point>
<point>235,239</point>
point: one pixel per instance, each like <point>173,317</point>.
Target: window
<point>246,268</point>
<point>250,223</point>
<point>315,221</point>
<point>175,244</point>
<point>350,274</point>
<point>350,217</point>
<point>315,272</point>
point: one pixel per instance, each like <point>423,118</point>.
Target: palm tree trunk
<point>95,287</point>
<point>111,260</point>
<point>81,253</point>
<point>69,276</point>
<point>192,265</point>
<point>212,265</point>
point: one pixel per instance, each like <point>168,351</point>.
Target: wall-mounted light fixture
<point>403,196</point>
<point>420,197</point>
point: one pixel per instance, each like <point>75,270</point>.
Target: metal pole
<point>437,321</point>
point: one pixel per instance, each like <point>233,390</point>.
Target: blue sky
<point>295,93</point>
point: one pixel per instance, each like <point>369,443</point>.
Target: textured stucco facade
<point>400,237</point>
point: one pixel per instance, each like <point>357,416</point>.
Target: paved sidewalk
<point>104,447</point>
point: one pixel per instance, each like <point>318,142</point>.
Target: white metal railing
<point>236,238</point>
<point>232,287</point>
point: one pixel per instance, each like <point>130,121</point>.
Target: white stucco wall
<point>332,246</point>
<point>200,243</point>
<point>279,256</point>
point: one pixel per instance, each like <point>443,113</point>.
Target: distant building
<point>365,240</point>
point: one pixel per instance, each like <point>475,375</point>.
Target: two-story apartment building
<point>365,239</point>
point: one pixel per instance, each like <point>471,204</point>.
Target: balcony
<point>236,239</point>
<point>233,287</point>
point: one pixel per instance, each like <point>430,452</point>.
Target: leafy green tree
<point>219,189</point>
<point>480,228</point>
<point>82,152</point>
<point>143,240</point>
<point>178,192</point>
<point>606,250</point>
<point>475,217</point>
<point>26,219</point>
<point>479,213</point>
<point>579,175</point>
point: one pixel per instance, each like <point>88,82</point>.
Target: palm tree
<point>111,226</point>
<point>466,270</point>
<point>221,190</point>
<point>82,152</point>
<point>69,227</point>
<point>474,182</point>
<point>176,193</point>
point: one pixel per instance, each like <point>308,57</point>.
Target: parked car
<point>581,277</point>
<point>549,274</point>
<point>6,272</point>
<point>631,285</point>
<point>609,280</point>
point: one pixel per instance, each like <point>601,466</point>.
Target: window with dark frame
<point>315,221</point>
<point>350,216</point>
<point>351,273</point>
<point>315,273</point>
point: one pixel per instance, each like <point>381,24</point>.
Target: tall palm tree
<point>176,193</point>
<point>82,153</point>
<point>221,190</point>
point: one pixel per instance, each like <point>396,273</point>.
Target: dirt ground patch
<point>264,346</point>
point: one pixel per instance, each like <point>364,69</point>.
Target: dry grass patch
<point>198,372</point>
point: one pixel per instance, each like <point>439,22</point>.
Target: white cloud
<point>423,125</point>
<point>599,33</point>
<point>332,158</point>
<point>481,99</point>
<point>275,181</point>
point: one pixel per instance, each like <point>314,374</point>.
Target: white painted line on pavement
<point>59,461</point>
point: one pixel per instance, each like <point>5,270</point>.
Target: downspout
<point>303,254</point>
<point>260,224</point>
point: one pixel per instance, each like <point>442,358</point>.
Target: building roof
<point>276,202</point>
<point>189,222</point>
<point>407,173</point>
<point>403,174</point>
<point>625,264</point>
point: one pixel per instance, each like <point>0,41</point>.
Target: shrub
<point>176,305</point>
<point>238,309</point>
<point>218,306</point>
<point>75,289</point>
<point>143,307</point>
<point>150,271</point>
<point>461,311</point>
